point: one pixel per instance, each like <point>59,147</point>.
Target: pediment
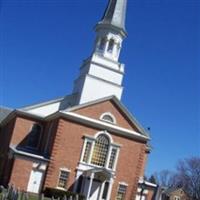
<point>112,106</point>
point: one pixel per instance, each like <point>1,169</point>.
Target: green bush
<point>52,192</point>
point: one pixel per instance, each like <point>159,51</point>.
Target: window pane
<point>100,151</point>
<point>63,179</point>
<point>108,118</point>
<point>112,158</point>
<point>87,152</point>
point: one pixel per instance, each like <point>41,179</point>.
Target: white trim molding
<point>112,146</point>
<point>114,121</point>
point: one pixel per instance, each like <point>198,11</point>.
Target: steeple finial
<point>115,15</point>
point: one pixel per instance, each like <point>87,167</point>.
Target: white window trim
<point>109,114</point>
<point>65,170</point>
<point>123,183</point>
<point>116,159</point>
<point>111,146</point>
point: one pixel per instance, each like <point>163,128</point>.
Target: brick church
<point>86,142</point>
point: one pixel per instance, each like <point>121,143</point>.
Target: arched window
<point>34,136</point>
<point>108,117</point>
<point>102,44</point>
<point>111,45</point>
<point>100,151</point>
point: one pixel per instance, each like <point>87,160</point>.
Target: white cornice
<point>69,114</point>
<point>120,105</point>
<point>104,126</point>
<point>30,155</point>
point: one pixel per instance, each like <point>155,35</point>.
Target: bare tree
<point>164,178</point>
<point>152,179</point>
<point>187,176</point>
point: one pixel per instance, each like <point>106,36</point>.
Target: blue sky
<point>43,43</point>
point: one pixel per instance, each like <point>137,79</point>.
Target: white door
<point>35,181</point>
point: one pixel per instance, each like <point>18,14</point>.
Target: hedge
<point>56,193</point>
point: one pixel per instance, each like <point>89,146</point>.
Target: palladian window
<point>100,151</point>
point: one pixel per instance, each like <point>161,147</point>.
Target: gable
<point>96,110</point>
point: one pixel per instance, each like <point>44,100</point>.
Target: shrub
<point>52,192</point>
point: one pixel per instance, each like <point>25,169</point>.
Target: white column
<point>109,189</point>
<point>90,186</point>
<point>97,43</point>
<point>106,47</point>
<point>115,52</point>
<point>108,156</point>
<point>91,151</point>
<point>83,150</point>
<point>116,159</point>
<point>118,50</point>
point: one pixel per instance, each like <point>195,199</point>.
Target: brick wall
<point>65,146</point>
<point>96,110</point>
<point>67,149</point>
<point>21,130</point>
<point>20,173</point>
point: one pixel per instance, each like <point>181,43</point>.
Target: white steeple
<point>101,74</point>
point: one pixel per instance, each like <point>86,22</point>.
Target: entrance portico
<point>97,184</point>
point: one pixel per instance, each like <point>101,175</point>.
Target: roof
<point>28,154</point>
<point>169,191</point>
<point>69,114</point>
<point>115,14</point>
<point>65,102</point>
<point>4,112</point>
<point>49,107</point>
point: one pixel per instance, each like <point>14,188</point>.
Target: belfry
<point>102,69</point>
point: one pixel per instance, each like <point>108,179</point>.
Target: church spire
<point>115,15</point>
<point>101,74</point>
<point>110,31</point>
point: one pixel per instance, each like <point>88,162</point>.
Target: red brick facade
<point>21,173</point>
<point>61,144</point>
